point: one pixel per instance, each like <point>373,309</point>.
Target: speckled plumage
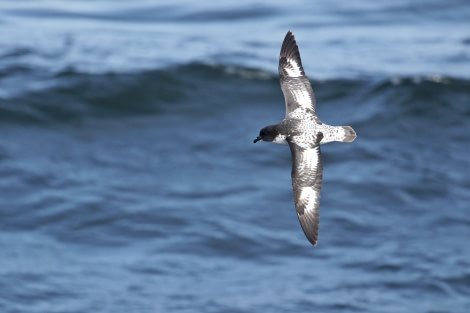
<point>303,131</point>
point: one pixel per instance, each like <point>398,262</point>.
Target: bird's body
<point>303,131</point>
<point>308,128</point>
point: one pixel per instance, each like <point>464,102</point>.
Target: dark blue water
<point>129,181</point>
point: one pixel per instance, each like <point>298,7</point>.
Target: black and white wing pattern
<point>307,174</point>
<point>298,92</point>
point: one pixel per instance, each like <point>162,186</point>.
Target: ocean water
<point>130,183</point>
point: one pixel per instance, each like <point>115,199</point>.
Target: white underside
<point>280,140</point>
<point>295,70</point>
<point>311,197</point>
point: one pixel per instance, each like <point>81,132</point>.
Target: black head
<point>267,133</point>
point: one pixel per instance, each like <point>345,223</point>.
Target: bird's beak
<point>257,139</point>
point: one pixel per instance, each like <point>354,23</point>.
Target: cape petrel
<point>303,131</point>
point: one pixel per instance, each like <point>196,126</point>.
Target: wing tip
<point>312,239</point>
<point>289,46</point>
<point>310,227</point>
<point>290,63</point>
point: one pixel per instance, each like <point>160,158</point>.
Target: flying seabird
<point>303,131</point>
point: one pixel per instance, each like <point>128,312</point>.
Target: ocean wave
<point>188,89</point>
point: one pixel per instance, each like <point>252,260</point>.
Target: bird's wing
<point>298,92</point>
<point>307,173</point>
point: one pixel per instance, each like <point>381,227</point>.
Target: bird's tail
<point>349,134</point>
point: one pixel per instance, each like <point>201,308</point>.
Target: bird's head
<point>267,133</point>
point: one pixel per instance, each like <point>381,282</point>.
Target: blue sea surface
<point>129,181</point>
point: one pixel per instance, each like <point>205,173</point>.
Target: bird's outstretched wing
<point>307,173</point>
<point>298,92</point>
